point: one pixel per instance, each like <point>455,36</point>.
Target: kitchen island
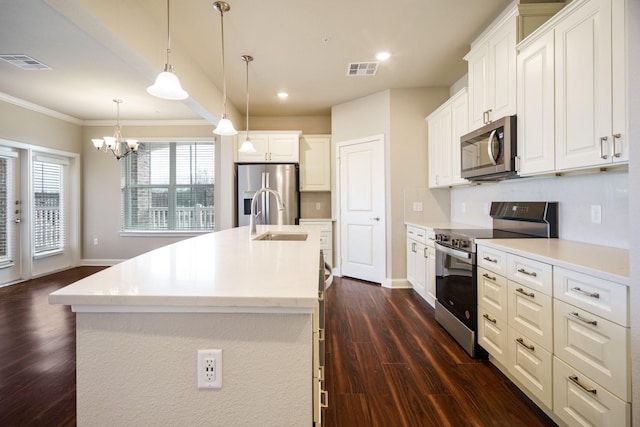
<point>140,324</point>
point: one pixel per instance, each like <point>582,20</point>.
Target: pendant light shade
<point>167,85</point>
<point>247,145</point>
<point>225,127</point>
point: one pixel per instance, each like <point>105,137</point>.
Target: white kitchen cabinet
<point>273,147</point>
<point>535,105</point>
<point>421,262</point>
<point>493,334</point>
<point>580,401</point>
<point>445,127</point>
<point>315,163</point>
<point>531,314</point>
<point>492,292</point>
<point>590,94</point>
<point>532,273</point>
<point>326,236</point>
<point>531,365</point>
<point>492,71</point>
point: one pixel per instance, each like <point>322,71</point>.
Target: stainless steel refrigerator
<point>280,177</point>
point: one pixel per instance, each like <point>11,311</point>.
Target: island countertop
<point>220,271</point>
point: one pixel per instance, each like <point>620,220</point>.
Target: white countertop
<point>442,225</point>
<point>224,270</point>
<point>599,261</point>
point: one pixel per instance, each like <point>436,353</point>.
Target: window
<point>168,186</point>
<point>48,206</point>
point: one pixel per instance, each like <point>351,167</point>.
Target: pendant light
<point>167,85</point>
<point>116,145</point>
<point>247,145</point>
<point>225,127</point>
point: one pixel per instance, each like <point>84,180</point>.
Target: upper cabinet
<point>492,72</point>
<point>445,127</point>
<point>273,147</point>
<point>571,90</point>
<point>315,163</point>
<point>590,85</point>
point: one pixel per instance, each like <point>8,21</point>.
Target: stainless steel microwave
<point>489,153</point>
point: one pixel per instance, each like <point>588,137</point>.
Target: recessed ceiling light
<point>283,95</point>
<point>383,56</point>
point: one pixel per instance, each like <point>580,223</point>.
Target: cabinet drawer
<point>492,259</point>
<point>579,401</point>
<point>595,346</point>
<point>535,274</point>
<point>492,292</point>
<point>430,238</point>
<point>531,365</point>
<point>602,297</point>
<point>530,313</point>
<point>492,334</point>
<point>416,233</point>
<point>325,240</point>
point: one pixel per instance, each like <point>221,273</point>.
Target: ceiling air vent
<point>25,62</point>
<point>362,68</point>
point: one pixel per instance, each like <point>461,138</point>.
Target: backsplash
<point>576,196</point>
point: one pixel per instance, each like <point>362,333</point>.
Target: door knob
<point>18,220</point>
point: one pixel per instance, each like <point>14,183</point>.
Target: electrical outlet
<point>318,206</point>
<point>596,214</point>
<point>95,241</point>
<point>210,368</point>
<point>417,206</point>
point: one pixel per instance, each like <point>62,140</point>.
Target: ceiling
<point>99,50</point>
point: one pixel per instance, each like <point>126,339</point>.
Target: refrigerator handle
<point>266,202</point>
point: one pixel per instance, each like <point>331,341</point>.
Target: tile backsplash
<point>576,195</point>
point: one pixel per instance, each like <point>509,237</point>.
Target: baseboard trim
<point>396,284</point>
<point>100,262</point>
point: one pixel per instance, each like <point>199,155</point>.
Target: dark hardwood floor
<point>388,362</point>
<point>38,353</point>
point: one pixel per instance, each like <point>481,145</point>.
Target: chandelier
<point>116,145</point>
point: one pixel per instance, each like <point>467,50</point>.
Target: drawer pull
<point>523,271</point>
<point>413,247</point>
<point>576,315</point>
<point>589,294</point>
<point>527,294</point>
<point>324,399</point>
<point>321,334</point>
<point>489,277</point>
<point>486,316</point>
<point>321,373</point>
<point>490,259</point>
<point>425,253</point>
<point>575,380</point>
<point>521,342</point>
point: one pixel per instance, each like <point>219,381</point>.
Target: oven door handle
<point>454,252</point>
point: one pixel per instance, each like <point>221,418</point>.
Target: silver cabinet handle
<point>602,141</point>
<point>321,334</point>
<point>377,218</point>
<point>527,294</point>
<point>577,316</point>
<point>489,277</point>
<point>425,252</point>
<point>413,247</point>
<point>589,294</point>
<point>523,271</point>
<point>616,137</point>
<point>321,373</point>
<point>575,380</point>
<point>522,343</point>
<point>324,399</point>
<point>486,316</point>
<point>490,259</point>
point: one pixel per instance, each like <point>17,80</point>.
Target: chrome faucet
<point>254,214</point>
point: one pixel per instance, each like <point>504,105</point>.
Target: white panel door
<point>362,204</point>
<point>10,217</point>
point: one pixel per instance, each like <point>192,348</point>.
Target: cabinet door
<point>315,163</point>
<point>284,148</point>
<point>261,144</point>
<point>579,401</point>
<point>583,86</point>
<point>492,292</point>
<point>459,127</point>
<point>440,148</point>
<point>421,269</point>
<point>531,365</point>
<point>430,276</point>
<point>536,130</point>
<point>502,71</point>
<point>619,114</point>
<point>593,345</point>
<point>531,314</point>
<point>492,334</point>
<point>478,61</point>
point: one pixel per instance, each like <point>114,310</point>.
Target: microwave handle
<point>492,157</point>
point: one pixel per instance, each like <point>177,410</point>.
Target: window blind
<point>48,207</point>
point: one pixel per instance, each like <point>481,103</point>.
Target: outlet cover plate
<point>209,368</point>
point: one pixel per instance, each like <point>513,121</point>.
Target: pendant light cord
<point>247,127</point>
<point>168,34</point>
<point>224,78</point>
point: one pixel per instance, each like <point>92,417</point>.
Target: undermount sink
<point>279,235</point>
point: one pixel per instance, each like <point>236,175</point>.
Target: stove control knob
<point>455,242</point>
<point>464,243</point>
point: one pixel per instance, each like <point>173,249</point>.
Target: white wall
<point>575,195</point>
<point>633,97</point>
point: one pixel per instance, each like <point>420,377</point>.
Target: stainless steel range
<point>456,290</point>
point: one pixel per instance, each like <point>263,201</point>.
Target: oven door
<point>456,283</point>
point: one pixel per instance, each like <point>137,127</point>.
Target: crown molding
<point>38,109</point>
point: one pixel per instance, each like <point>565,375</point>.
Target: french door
<point>10,216</point>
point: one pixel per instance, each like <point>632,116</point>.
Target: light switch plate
<point>417,206</point>
<point>596,214</point>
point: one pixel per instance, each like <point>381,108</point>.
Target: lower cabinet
<point>421,262</point>
<point>563,336</point>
